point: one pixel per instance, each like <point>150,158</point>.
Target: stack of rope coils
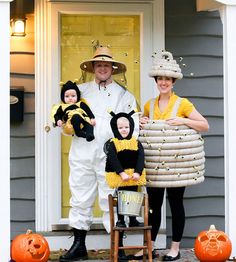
<point>174,155</point>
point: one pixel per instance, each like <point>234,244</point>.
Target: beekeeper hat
<point>103,54</point>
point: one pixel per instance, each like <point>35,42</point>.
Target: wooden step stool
<point>114,235</point>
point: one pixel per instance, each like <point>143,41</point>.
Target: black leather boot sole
<point>61,259</point>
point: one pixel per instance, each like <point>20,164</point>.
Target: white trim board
<point>5,129</point>
<point>229,37</point>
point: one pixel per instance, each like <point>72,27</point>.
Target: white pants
<point>87,180</point>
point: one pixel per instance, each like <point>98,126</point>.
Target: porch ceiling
<point>208,5</point>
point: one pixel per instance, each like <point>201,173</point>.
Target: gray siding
<point>197,38</point>
<point>22,141</point>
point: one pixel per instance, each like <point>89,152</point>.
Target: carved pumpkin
<point>212,246</point>
<point>29,247</point>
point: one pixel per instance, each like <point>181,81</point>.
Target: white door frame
<point>5,130</point>
<point>48,178</point>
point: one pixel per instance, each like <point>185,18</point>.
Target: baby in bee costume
<point>73,114</point>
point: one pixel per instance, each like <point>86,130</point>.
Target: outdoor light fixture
<point>18,26</point>
<point>18,19</point>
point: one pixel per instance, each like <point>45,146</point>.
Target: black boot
<point>78,249</point>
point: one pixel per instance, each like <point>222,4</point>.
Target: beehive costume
<point>174,155</point>
<point>87,160</point>
<point>76,117</point>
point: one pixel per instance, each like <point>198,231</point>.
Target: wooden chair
<point>114,235</point>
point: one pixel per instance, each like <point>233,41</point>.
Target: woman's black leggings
<point>175,197</point>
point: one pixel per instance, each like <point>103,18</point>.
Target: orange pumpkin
<point>212,246</point>
<point>29,247</point>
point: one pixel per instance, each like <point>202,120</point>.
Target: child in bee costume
<point>73,114</point>
<point>124,164</point>
<point>125,160</point>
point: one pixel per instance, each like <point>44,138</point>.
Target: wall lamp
<point>18,26</point>
<point>18,19</point>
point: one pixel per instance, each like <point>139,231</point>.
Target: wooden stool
<point>114,242</point>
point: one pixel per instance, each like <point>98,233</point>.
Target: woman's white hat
<point>165,65</point>
<point>103,54</point>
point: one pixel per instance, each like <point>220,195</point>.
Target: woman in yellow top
<point>165,72</point>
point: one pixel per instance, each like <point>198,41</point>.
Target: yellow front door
<point>79,35</point>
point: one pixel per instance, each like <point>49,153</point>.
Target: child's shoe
<point>89,137</point>
<point>133,222</point>
<point>120,223</point>
<point>80,133</point>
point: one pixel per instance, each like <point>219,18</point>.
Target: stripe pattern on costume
<point>174,155</point>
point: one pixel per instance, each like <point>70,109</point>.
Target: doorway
<point>80,35</point>
<point>49,72</point>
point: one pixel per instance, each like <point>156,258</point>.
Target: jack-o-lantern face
<point>30,248</point>
<point>212,245</point>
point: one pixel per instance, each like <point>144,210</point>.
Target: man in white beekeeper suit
<point>87,159</point>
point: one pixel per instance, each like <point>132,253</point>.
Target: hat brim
<point>168,73</point>
<point>118,67</point>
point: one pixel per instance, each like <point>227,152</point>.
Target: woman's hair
<point>173,79</point>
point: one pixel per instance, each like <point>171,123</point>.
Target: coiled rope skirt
<point>174,155</point>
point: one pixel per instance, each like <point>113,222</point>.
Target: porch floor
<point>187,255</point>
